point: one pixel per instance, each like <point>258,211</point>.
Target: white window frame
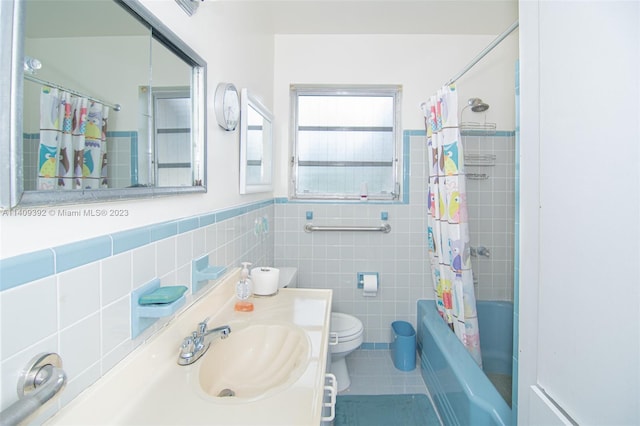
<point>348,90</point>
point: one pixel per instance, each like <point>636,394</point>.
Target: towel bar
<point>386,228</point>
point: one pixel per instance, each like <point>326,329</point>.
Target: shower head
<point>477,105</point>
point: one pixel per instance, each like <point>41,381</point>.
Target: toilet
<point>348,330</point>
<point>346,333</point>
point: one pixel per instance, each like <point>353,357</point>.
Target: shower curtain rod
<point>482,54</point>
<point>115,107</point>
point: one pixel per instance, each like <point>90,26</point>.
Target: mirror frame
<point>12,194</point>
<point>247,100</point>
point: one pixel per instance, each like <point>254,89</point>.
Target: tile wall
<point>30,146</point>
<point>75,299</point>
<point>332,259</point>
<point>122,158</point>
<point>491,206</point>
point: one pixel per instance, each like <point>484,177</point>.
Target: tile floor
<point>372,373</point>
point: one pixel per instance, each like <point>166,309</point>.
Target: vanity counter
<point>150,388</point>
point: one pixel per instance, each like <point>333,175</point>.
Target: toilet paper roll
<point>370,285</point>
<point>265,281</point>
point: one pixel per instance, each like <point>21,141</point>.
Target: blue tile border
<point>189,224</point>
<point>207,219</point>
<point>160,231</point>
<point>18,270</point>
<point>80,253</point>
<point>25,268</point>
<point>128,240</point>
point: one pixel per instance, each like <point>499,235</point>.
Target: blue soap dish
<point>151,302</point>
<point>162,295</point>
<point>202,272</point>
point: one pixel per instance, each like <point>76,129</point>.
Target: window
<point>172,107</point>
<point>346,141</point>
<point>166,143</point>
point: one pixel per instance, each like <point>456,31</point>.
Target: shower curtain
<point>448,227</point>
<point>73,147</point>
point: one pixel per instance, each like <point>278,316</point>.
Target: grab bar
<point>386,228</point>
<point>41,381</point>
<point>332,388</point>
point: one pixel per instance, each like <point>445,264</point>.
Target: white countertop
<point>150,388</point>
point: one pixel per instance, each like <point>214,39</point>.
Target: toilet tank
<point>288,277</point>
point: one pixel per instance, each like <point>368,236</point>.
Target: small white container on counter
<point>265,280</point>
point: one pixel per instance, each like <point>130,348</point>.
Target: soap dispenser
<point>243,290</point>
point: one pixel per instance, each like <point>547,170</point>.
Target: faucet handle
<point>202,325</point>
<point>188,347</point>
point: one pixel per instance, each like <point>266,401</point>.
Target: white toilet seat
<point>347,327</point>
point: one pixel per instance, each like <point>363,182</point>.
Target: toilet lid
<point>345,325</point>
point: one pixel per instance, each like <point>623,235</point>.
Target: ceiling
<point>392,16</point>
<point>66,18</point>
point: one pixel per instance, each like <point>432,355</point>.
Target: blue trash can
<point>403,345</point>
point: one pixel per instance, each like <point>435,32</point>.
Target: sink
<point>254,362</point>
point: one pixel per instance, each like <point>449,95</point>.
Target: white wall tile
<point>80,345</point>
<point>28,314</point>
<point>144,265</point>
<point>116,277</point>
<point>184,249</point>
<point>110,359</point>
<point>79,383</point>
<point>78,293</point>
<point>165,256</point>
<point>199,247</point>
<point>116,324</point>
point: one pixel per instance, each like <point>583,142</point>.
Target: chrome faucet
<point>194,346</point>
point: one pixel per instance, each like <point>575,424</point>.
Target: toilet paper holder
<point>361,275</point>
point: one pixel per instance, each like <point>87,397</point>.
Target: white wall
<point>580,195</point>
<point>420,63</point>
<point>238,49</point>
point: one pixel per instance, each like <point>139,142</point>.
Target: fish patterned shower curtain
<point>448,226</point>
<point>73,146</point>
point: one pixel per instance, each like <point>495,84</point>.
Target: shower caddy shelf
<point>481,129</point>
<point>477,176</point>
<point>480,160</point>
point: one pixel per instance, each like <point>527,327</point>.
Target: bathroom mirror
<point>256,145</point>
<point>135,89</point>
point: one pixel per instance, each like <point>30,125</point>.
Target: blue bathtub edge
<point>463,395</point>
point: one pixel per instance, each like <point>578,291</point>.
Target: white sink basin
<point>254,362</point>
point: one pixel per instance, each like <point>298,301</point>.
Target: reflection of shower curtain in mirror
<point>448,227</point>
<point>72,152</point>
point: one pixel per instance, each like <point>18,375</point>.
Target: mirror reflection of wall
<point>172,137</point>
<point>110,59</point>
<point>257,126</point>
<point>256,145</point>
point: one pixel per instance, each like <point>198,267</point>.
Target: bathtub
<point>461,391</point>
